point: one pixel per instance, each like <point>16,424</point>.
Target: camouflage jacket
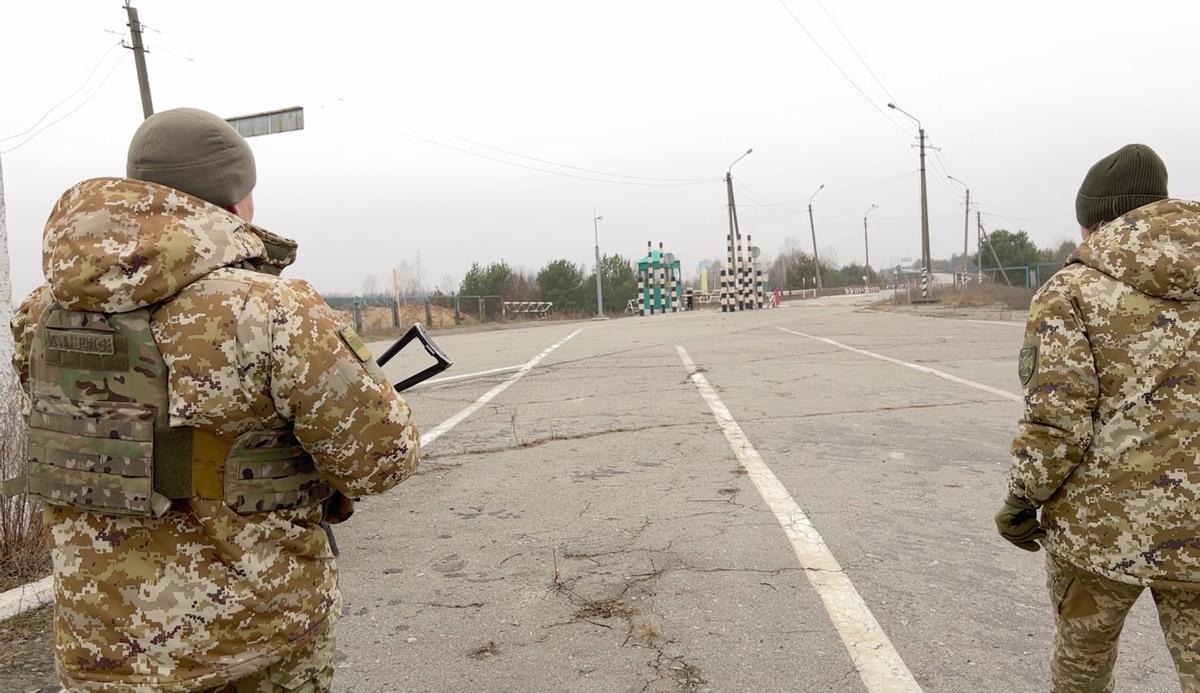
<point>1109,444</point>
<point>204,595</point>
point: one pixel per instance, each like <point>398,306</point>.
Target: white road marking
<point>464,376</point>
<point>995,322</point>
<point>916,367</point>
<point>447,425</point>
<point>877,662</point>
<point>26,597</point>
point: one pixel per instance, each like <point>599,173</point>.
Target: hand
<point>1017,522</point>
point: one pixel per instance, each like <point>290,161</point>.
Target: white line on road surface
<point>877,662</point>
<point>995,322</point>
<point>464,376</point>
<point>445,426</point>
<point>916,367</point>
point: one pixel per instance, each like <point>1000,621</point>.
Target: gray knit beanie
<point>193,151</point>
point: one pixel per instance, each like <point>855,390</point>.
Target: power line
<point>69,113</point>
<point>66,98</point>
<point>854,190</point>
<point>419,138</point>
<point>567,166</point>
<point>856,53</point>
<point>840,70</point>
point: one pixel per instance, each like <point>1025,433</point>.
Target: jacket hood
<point>113,245</point>
<point>1155,249</point>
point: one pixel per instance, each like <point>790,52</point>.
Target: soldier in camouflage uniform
<point>193,417</point>
<point>1109,443</point>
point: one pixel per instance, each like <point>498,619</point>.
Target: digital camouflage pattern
<point>1090,611</point>
<point>1109,443</point>
<point>204,595</point>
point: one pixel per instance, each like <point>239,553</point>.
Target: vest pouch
<point>96,456</point>
<point>268,470</point>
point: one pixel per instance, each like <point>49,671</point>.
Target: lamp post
<point>925,260</point>
<point>733,273</point>
<point>867,244</point>
<point>966,225</point>
<point>599,291</point>
<point>813,228</point>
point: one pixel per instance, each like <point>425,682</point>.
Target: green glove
<point>1017,522</point>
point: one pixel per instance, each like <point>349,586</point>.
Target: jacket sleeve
<point>1058,374</point>
<point>23,325</point>
<point>345,413</point>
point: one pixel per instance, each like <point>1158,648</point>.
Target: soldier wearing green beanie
<point>1105,467</point>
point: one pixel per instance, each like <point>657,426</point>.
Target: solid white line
<point>877,662</point>
<point>445,426</point>
<point>464,376</point>
<point>992,322</point>
<point>26,597</point>
<point>916,367</point>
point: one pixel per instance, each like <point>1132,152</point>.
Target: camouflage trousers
<point>308,670</point>
<point>1090,612</point>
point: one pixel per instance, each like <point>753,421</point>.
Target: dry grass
<point>23,554</point>
<point>985,295</point>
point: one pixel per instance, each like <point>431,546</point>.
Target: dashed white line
<point>446,426</point>
<point>916,367</point>
<point>878,664</point>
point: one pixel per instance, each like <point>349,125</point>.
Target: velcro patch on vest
<point>85,349</point>
<point>356,344</point>
<point>81,342</point>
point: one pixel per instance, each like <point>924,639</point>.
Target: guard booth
<point>660,288</point>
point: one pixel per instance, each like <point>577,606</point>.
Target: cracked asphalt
<point>591,530</point>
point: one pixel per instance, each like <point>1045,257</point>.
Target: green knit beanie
<point>1128,178</point>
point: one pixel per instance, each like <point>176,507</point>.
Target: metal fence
<point>382,314</point>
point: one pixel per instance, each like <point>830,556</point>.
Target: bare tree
<point>6,343</point>
<point>371,286</point>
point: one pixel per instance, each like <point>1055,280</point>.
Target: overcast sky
<point>1020,96</point>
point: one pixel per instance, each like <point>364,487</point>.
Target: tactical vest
<point>100,439</point>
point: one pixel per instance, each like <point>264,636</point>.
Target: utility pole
<point>733,274</point>
<point>926,263</point>
<point>599,292</point>
<point>139,57</point>
<point>867,242</point>
<point>966,226</point>
<point>986,239</point>
<point>6,340</point>
<point>812,227</point>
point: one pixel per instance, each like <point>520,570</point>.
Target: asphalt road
<point>590,527</point>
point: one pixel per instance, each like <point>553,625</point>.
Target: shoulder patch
<point>1027,363</point>
<point>356,344</point>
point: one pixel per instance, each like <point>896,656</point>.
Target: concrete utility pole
<point>926,263</point>
<point>867,241</point>
<point>733,273</point>
<point>966,225</point>
<point>139,57</point>
<point>984,238</point>
<point>6,340</point>
<point>599,292</point>
<point>813,228</point>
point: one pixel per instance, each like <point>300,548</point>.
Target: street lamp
<point>925,260</point>
<point>729,168</point>
<point>812,227</point>
<point>966,225</point>
<point>867,243</point>
<point>599,291</point>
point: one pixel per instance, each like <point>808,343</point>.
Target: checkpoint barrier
<point>538,308</point>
